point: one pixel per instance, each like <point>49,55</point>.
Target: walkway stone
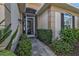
<point>40,49</point>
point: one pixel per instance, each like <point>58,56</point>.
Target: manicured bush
<point>45,35</point>
<point>61,47</point>
<point>24,47</point>
<point>6,53</point>
<point>69,36</point>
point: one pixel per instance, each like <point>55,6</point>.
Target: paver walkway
<point>40,49</point>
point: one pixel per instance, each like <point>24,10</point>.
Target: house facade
<point>31,16</point>
<point>56,16</point>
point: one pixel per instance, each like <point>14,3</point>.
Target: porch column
<point>57,24</point>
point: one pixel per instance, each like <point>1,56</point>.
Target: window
<point>67,21</point>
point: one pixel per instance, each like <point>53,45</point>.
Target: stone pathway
<point>40,49</point>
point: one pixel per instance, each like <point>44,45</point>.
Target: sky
<point>75,4</point>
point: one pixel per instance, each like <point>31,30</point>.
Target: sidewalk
<point>40,49</point>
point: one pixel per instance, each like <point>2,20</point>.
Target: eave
<point>66,6</point>
<point>42,8</point>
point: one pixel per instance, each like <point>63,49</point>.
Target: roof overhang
<point>60,5</point>
<point>43,8</point>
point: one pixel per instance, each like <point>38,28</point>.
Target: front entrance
<point>30,26</point>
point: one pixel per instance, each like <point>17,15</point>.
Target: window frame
<point>72,25</point>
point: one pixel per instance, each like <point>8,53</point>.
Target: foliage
<point>45,35</point>
<point>0,33</point>
<point>5,36</point>
<point>4,33</point>
<point>67,41</point>
<point>69,36</point>
<point>24,47</point>
<point>6,29</point>
<point>61,47</point>
<point>77,34</point>
<point>6,53</point>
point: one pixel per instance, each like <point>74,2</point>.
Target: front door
<point>30,26</point>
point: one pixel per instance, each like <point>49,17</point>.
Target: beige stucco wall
<point>8,5</point>
<point>14,16</point>
<point>10,13</point>
<point>7,14</point>
<point>76,21</point>
<point>57,24</point>
<point>43,20</point>
<point>2,13</point>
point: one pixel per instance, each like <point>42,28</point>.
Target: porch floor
<point>40,49</point>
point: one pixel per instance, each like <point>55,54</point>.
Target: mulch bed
<point>76,50</point>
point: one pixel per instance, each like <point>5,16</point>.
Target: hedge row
<point>45,35</point>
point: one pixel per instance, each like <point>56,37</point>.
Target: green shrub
<point>24,47</point>
<point>5,36</point>
<point>6,29</point>
<point>45,35</point>
<point>77,34</point>
<point>65,45</point>
<point>69,36</point>
<point>61,47</point>
<point>6,53</point>
<point>4,33</point>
